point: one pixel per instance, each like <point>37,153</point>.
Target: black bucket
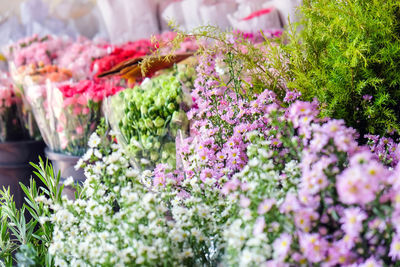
<point>65,164</point>
<point>15,168</point>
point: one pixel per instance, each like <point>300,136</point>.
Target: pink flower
<point>371,262</point>
<point>282,245</point>
<point>79,130</point>
<point>229,186</point>
<point>394,252</point>
<point>354,188</point>
<point>290,204</point>
<point>304,218</point>
<point>314,247</point>
<point>265,206</point>
<point>244,201</point>
<point>352,221</point>
<point>259,226</point>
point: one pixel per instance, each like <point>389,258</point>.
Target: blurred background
<point>123,20</point>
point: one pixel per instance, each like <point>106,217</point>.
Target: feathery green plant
<point>347,54</point>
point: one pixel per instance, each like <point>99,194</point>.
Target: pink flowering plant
<point>78,56</point>
<point>343,210</point>
<point>224,124</point>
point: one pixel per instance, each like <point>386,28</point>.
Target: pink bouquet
<point>68,112</point>
<point>78,56</point>
<point>36,50</point>
<point>16,122</point>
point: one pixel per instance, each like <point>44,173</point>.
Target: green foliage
<point>28,236</point>
<point>346,50</point>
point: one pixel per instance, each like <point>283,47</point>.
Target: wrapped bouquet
<point>67,112</point>
<point>16,122</point>
<point>149,117</point>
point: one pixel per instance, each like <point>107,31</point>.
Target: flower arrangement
<point>35,49</point>
<point>15,121</point>
<point>77,57</point>
<point>73,114</point>
<point>148,117</point>
<point>120,53</point>
<point>261,179</point>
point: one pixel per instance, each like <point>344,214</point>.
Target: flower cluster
<point>78,55</point>
<point>117,220</point>
<point>149,117</point>
<point>120,53</point>
<point>36,50</point>
<point>73,115</point>
<point>387,149</point>
<point>339,210</point>
<point>14,117</point>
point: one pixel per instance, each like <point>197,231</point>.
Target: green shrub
<point>347,54</point>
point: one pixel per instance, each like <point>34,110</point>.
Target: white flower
<point>246,258</point>
<point>87,155</point>
<point>43,220</point>
<point>94,140</point>
<point>69,181</point>
<point>210,181</point>
<point>79,164</point>
<point>97,154</point>
<point>132,173</point>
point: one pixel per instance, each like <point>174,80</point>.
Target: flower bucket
<point>65,165</point>
<point>14,165</point>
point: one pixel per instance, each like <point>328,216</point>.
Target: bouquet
<point>78,56</point>
<point>67,112</point>
<point>36,50</point>
<point>149,117</point>
<point>15,122</point>
<point>121,53</point>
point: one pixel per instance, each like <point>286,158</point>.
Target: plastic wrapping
<point>255,15</point>
<point>148,118</point>
<point>129,20</point>
<point>216,13</point>
<point>16,122</point>
<point>66,114</point>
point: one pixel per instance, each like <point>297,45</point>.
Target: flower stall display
<point>149,117</point>
<point>230,163</point>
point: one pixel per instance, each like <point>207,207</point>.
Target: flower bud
<point>149,123</point>
<point>158,122</point>
<point>171,107</point>
<point>154,155</point>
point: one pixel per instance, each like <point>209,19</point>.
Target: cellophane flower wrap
<point>149,117</point>
<point>15,121</point>
<point>67,112</point>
